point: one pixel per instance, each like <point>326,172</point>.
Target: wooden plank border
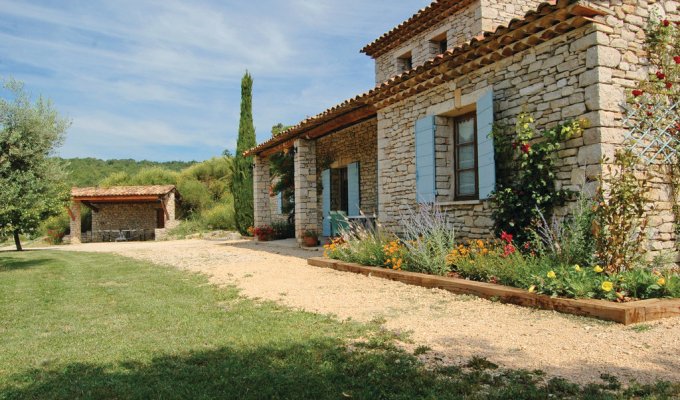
<point>623,313</point>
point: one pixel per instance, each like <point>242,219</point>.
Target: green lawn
<point>77,325</point>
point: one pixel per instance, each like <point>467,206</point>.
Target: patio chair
<point>338,222</point>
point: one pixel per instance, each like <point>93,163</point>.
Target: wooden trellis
<point>653,131</point>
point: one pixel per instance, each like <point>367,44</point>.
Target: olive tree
<point>32,184</point>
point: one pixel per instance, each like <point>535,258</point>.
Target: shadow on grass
<point>322,369</point>
<point>10,264</point>
<point>314,370</point>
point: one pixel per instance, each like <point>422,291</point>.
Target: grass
<point>93,326</point>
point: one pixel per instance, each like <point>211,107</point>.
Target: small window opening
<point>405,62</point>
<point>439,44</point>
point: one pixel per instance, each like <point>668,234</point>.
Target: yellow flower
<point>532,288</point>
<point>607,286</point>
<point>598,269</point>
<point>577,268</point>
<point>480,244</point>
<point>661,281</point>
<point>552,275</point>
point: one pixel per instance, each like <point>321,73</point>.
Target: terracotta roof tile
<point>474,49</point>
<point>119,191</point>
<point>424,19</point>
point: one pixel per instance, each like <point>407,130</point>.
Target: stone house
<point>144,211</point>
<point>443,78</point>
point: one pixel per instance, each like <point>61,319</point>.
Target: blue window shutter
<point>326,201</point>
<point>353,190</point>
<point>279,202</point>
<point>425,163</point>
<point>486,165</point>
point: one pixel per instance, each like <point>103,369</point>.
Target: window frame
<point>456,146</point>
<point>405,62</point>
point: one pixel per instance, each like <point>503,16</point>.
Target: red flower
<point>660,75</point>
<point>526,147</point>
<point>676,59</point>
<point>669,84</point>
<point>509,249</point>
<point>649,113</point>
<point>506,236</point>
<point>666,22</point>
<point>637,92</point>
<point>527,245</point>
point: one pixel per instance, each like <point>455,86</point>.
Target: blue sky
<point>160,80</point>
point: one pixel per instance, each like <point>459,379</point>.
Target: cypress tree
<point>242,182</point>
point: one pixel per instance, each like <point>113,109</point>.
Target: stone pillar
<point>261,198</point>
<point>306,209</point>
<point>75,223</point>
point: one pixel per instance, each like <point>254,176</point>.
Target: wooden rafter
<point>165,209</point>
<point>70,213</point>
<point>90,206</point>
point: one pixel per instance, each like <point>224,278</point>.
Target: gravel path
<point>454,327</point>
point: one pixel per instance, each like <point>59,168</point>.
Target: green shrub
<point>187,227</point>
<point>566,240</point>
<point>154,176</point>
<point>283,230</point>
<point>195,196</point>
<point>221,216</point>
<point>428,239</point>
<point>361,245</point>
<point>55,228</point>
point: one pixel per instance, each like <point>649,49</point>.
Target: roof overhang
<point>118,199</point>
<point>549,21</point>
<point>421,21</point>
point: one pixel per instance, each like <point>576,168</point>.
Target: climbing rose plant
<point>526,173</point>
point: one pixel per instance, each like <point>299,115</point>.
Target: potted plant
<point>263,233</point>
<point>310,238</point>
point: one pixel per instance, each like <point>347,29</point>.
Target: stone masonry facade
<point>354,144</point>
<point>583,74</point>
<point>471,21</point>
<point>115,216</point>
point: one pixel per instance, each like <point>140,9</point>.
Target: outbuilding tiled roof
<point>122,191</point>
<point>550,20</point>
<point>421,21</point>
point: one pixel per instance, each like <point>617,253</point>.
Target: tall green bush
<point>242,181</point>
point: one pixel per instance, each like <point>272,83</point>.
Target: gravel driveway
<point>454,327</point>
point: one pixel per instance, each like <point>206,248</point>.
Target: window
<point>405,63</point>
<point>465,157</point>
<point>439,44</point>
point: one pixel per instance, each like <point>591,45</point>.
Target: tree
<point>281,168</point>
<point>242,182</point>
<point>32,181</point>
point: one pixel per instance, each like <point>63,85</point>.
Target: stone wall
<point>501,12</point>
<point>550,81</point>
<point>123,216</point>
<point>357,143</point>
<point>619,63</point>
<point>461,27</point>
<point>262,202</point>
<point>306,205</point>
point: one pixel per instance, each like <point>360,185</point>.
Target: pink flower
<point>509,249</point>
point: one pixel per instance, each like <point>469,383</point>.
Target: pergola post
<point>261,183</point>
<point>306,207</point>
<point>74,215</point>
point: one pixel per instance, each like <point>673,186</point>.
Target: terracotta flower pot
<point>310,241</point>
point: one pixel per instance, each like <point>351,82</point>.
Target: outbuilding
<point>123,213</point>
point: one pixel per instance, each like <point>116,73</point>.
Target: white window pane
<point>466,183</point>
<point>466,157</point>
<point>466,131</point>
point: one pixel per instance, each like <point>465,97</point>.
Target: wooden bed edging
<point>623,313</point>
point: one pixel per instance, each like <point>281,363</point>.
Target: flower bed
<point>624,313</point>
